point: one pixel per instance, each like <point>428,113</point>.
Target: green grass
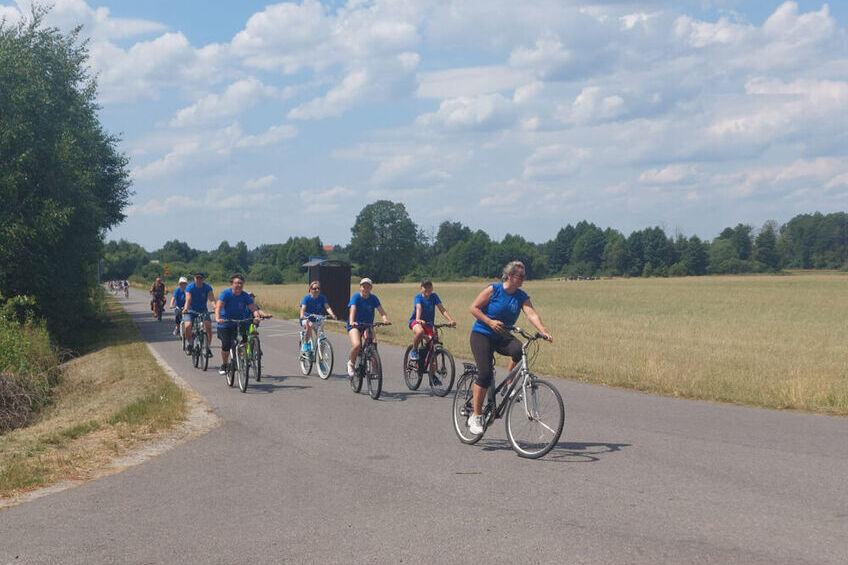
<point>106,401</point>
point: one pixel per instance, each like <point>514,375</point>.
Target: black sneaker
<point>208,352</point>
<point>222,370</point>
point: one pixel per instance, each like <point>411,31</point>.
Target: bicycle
<point>127,291</point>
<point>320,349</point>
<point>245,354</point>
<point>368,364</point>
<point>535,413</point>
<point>158,304</point>
<point>197,342</point>
<point>435,360</point>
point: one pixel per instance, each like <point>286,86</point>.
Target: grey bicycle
<point>533,408</point>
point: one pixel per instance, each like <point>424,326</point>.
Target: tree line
<point>388,246</point>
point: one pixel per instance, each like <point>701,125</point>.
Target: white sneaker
<point>475,424</point>
<point>350,369</point>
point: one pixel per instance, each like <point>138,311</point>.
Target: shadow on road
<point>565,451</point>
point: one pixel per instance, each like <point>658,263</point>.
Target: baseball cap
<point>366,280</point>
<point>183,280</point>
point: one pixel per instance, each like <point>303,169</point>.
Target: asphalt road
<point>304,470</point>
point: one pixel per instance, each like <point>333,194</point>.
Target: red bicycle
<point>433,359</point>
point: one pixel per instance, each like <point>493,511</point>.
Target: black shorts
<point>229,334</point>
<point>483,348</point>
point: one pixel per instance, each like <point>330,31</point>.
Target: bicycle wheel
<point>256,358</point>
<point>244,368</point>
<point>442,369</point>
<point>204,359</point>
<point>356,379</point>
<point>232,367</point>
<point>325,358</point>
<point>158,313</point>
<point>374,371</point>
<point>195,353</point>
<point>463,408</point>
<point>410,371</point>
<point>535,417</point>
<point>304,359</point>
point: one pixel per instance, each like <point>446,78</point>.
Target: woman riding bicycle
<point>496,309</point>
<point>178,300</point>
<point>234,304</point>
<point>362,306</point>
<point>313,303</point>
<point>424,315</point>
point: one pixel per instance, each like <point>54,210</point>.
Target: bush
<point>678,270</point>
<point>19,309</point>
<point>268,274</point>
<point>29,368</point>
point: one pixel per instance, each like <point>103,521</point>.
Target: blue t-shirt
<point>179,297</point>
<point>198,296</point>
<point>235,307</point>
<point>428,307</point>
<point>314,305</point>
<point>364,308</point>
<point>502,306</point>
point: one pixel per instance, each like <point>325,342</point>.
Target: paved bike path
<point>304,470</point>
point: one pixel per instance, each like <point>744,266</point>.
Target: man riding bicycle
<point>158,290</point>
<point>234,304</point>
<point>198,294</point>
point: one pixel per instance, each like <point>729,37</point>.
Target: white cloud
<point>593,105</point>
<point>554,162</point>
<point>97,22</point>
<point>478,112</point>
<point>204,147</point>
<point>702,34</point>
<point>261,182</point>
<point>672,174</point>
<point>236,98</point>
<point>216,198</point>
<point>470,81</point>
<point>547,58</point>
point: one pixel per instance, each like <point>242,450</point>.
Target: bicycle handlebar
<point>371,325</point>
<point>525,335</point>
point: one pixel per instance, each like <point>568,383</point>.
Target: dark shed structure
<point>334,277</point>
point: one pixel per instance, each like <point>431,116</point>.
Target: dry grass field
<point>772,341</point>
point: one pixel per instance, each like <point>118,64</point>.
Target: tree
<point>62,181</point>
<point>725,259</point>
<point>176,250</point>
<point>384,241</point>
<point>449,234</point>
<point>696,256</point>
<point>765,247</point>
<point>121,259</point>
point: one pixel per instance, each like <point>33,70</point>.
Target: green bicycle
<point>245,355</point>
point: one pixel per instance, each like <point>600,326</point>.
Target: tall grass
<point>772,341</point>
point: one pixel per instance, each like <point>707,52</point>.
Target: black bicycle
<point>197,345</point>
<point>435,360</point>
<point>245,354</point>
<point>535,413</point>
<point>368,365</point>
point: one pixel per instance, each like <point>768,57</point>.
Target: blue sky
<point>254,121</point>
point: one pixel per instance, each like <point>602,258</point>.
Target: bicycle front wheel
<point>195,352</point>
<point>442,370</point>
<point>325,358</point>
<point>204,359</point>
<point>256,356</point>
<point>535,417</point>
<point>374,372</point>
<point>410,370</point>
<point>356,379</point>
<point>463,407</point>
<point>244,368</point>
<point>232,367</point>
<point>304,358</point>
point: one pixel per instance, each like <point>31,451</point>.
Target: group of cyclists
<point>495,309</point>
<point>120,285</point>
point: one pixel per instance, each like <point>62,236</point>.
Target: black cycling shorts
<point>229,334</point>
<point>483,347</point>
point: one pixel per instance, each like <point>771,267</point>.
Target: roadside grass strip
<point>107,401</point>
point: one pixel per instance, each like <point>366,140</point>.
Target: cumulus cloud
<point>232,102</point>
<point>213,199</point>
<point>672,174</point>
<point>554,162</point>
<point>477,112</point>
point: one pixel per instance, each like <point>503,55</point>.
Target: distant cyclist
<point>234,304</point>
<point>198,294</point>
<point>158,290</point>
<point>362,306</point>
<point>497,308</point>
<point>313,303</point>
<point>178,300</point>
<point>424,315</point>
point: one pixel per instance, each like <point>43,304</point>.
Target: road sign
<point>167,271</point>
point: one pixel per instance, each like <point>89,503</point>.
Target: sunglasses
<point>315,288</point>
<point>516,275</point>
